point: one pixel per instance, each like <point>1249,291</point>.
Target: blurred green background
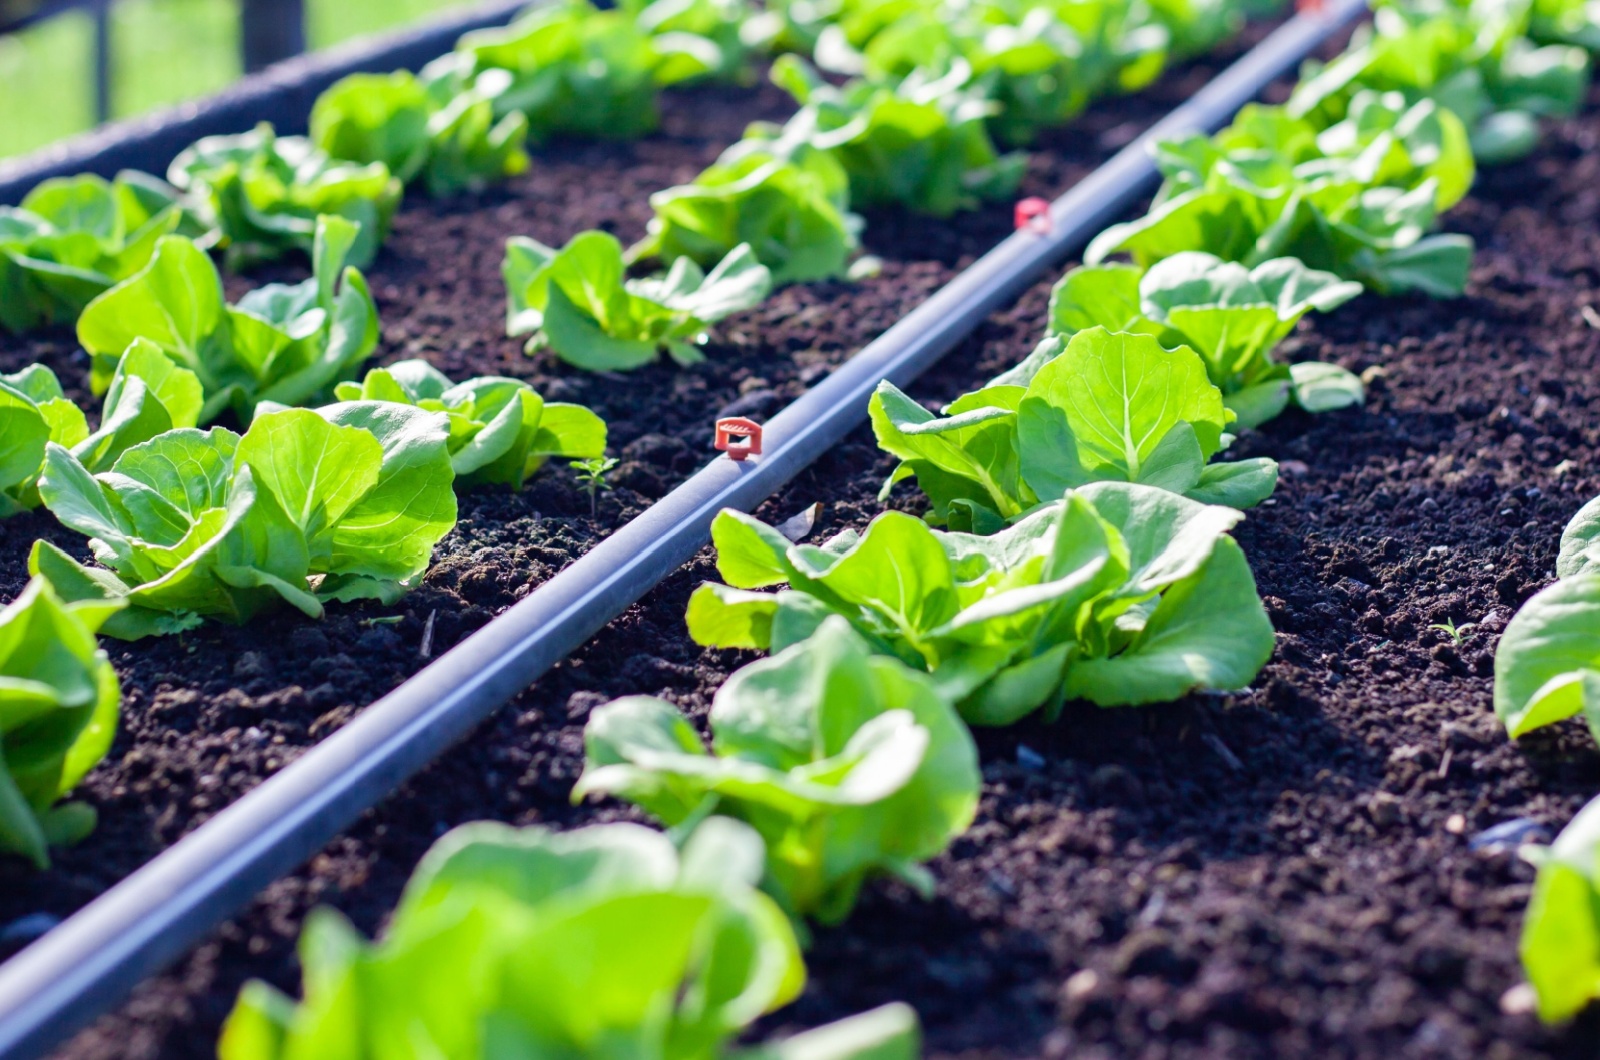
<point>163,52</point>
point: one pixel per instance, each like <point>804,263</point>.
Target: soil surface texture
<point>1289,871</point>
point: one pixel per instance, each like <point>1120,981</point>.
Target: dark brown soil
<point>1281,873</point>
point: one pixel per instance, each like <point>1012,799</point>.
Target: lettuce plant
<point>72,238</point>
<point>1232,316</point>
<point>1120,594</point>
<point>34,412</point>
<point>801,24</point>
<point>439,128</point>
<point>921,143</point>
<point>263,194</point>
<point>679,954</point>
<point>1561,934</point>
<point>1105,407</point>
<point>344,503</point>
<point>578,302</point>
<point>576,70</point>
<point>739,31</point>
<point>1565,22</point>
<point>1473,58</point>
<point>1547,666</point>
<point>868,771</point>
<point>501,430</point>
<point>1040,64</point>
<point>149,395</point>
<point>1357,199</point>
<point>789,202</point>
<point>59,698</point>
<point>282,343</point>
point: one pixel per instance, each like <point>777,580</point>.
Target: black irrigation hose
<point>90,962</point>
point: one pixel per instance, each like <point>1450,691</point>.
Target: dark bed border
<point>281,94</point>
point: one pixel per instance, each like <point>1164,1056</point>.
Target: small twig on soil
<point>1590,317</point>
<point>1444,764</point>
<point>1213,741</point>
<point>426,649</point>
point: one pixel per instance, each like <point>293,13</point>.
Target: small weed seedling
<point>1456,633</point>
<point>592,479</point>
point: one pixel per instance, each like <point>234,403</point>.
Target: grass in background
<point>164,51</point>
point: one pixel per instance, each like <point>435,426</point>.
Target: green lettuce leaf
<point>1232,316</point>
<point>59,701</point>
<point>889,1032</point>
<point>1580,543</point>
<point>576,70</point>
<point>1547,666</point>
<point>1102,578</point>
<point>1476,59</point>
<point>920,142</point>
<point>1565,22</point>
<point>1357,199</point>
<point>501,430</point>
<point>439,128</point>
<point>73,237</point>
<point>738,28</point>
<point>1040,65</point>
<point>1105,407</point>
<point>34,412</point>
<point>577,301</point>
<point>849,764</point>
<point>281,343</point>
<point>789,202</point>
<point>340,504</point>
<point>1561,934</point>
<point>680,953</point>
<point>263,195</point>
<point>149,394</point>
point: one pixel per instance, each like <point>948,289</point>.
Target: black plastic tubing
<point>89,963</point>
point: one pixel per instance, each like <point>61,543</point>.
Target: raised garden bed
<point>1301,868</point>
<point>209,714</point>
<point>1273,874</point>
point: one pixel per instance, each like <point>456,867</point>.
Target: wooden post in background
<point>104,61</point>
<point>270,31</point>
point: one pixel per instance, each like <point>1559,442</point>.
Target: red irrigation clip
<point>739,437</point>
<point>1033,215</point>
<point>1309,7</point>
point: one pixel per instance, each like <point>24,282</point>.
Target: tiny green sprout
<point>383,620</point>
<point>592,478</point>
<point>1456,633</point>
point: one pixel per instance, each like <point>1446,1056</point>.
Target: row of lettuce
<point>1084,555</point>
<point>1075,547</point>
<point>189,521</point>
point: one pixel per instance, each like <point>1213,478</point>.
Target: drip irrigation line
<point>89,963</point>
